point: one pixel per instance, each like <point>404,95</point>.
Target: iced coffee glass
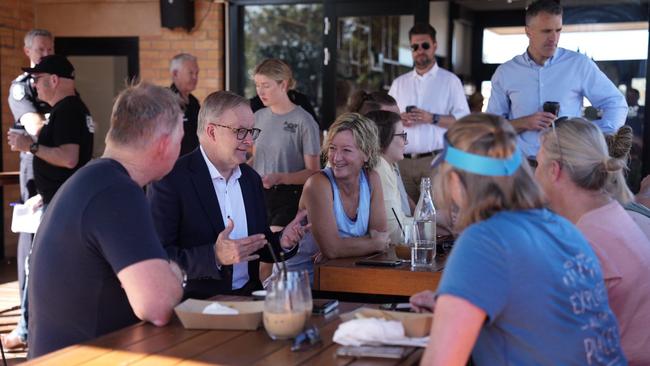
<point>287,304</point>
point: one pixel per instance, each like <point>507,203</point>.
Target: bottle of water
<point>424,251</point>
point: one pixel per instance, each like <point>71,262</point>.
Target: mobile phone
<point>370,351</point>
<point>551,107</point>
<point>410,108</point>
<point>324,306</point>
<point>379,262</point>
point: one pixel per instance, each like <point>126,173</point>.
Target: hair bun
<point>613,165</point>
<point>620,143</point>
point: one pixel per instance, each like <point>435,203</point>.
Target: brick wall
<point>16,18</point>
<point>206,43</point>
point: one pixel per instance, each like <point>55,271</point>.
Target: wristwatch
<point>33,148</point>
<point>436,119</point>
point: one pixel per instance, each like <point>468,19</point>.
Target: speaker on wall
<point>177,13</point>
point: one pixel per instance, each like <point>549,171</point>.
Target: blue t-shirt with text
<point>542,289</point>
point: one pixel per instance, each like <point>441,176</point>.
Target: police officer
<point>29,115</point>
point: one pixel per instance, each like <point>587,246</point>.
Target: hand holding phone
<point>410,108</point>
<point>551,107</point>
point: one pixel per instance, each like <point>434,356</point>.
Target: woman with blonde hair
<point>344,202</point>
<point>509,290</point>
<point>575,171</point>
<point>286,151</point>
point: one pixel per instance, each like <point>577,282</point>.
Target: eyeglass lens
<point>242,132</point>
<point>416,46</point>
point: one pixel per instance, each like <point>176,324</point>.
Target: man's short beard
<point>423,63</point>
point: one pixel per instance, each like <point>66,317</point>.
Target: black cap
<point>53,64</point>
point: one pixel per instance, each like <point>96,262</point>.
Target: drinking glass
<point>403,249</point>
<point>423,249</point>
<point>286,305</point>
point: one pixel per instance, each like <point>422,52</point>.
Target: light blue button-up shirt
<point>520,87</point>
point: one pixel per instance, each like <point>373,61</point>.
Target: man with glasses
<point>546,73</point>
<point>209,211</point>
<point>430,99</point>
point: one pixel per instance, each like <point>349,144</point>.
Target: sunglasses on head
<point>416,46</point>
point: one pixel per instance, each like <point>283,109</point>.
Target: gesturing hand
<point>295,230</point>
<point>230,251</point>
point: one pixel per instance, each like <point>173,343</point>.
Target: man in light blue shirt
<point>548,73</point>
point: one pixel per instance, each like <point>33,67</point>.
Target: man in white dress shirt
<point>430,99</point>
<point>209,211</point>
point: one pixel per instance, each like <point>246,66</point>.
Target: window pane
<point>293,33</point>
<point>601,42</point>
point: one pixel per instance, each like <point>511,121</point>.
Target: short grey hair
<point>29,37</point>
<point>143,112</point>
<point>216,104</point>
<point>177,61</point>
<point>551,7</point>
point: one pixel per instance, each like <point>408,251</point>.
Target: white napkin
<point>217,309</point>
<point>27,217</point>
<point>374,332</point>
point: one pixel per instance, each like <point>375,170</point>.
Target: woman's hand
<point>424,301</point>
<point>381,239</point>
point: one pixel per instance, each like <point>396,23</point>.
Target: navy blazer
<point>188,219</point>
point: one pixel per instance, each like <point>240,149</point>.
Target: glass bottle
<point>425,220</point>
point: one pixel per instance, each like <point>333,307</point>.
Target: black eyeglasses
<point>416,46</point>
<point>242,132</point>
<point>307,339</point>
<point>402,135</point>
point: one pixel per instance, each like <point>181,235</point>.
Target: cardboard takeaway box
<point>415,324</point>
<point>190,312</point>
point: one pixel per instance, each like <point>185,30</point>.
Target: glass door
<point>366,47</point>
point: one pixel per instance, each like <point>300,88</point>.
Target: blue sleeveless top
<point>346,226</point>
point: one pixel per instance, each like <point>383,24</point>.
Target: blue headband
<point>479,164</point>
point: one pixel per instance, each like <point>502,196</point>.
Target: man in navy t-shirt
<point>97,264</point>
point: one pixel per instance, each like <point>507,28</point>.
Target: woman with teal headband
<point>514,287</point>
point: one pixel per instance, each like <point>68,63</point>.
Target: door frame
<point>102,46</point>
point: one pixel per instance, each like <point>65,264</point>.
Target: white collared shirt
<point>438,91</point>
<point>231,203</point>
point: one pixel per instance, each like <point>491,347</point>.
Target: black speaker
<point>177,13</point>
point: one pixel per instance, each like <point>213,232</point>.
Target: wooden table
<point>343,275</point>
<point>145,344</point>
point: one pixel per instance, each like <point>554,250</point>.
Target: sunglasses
<point>242,132</point>
<point>416,46</point>
<point>306,340</point>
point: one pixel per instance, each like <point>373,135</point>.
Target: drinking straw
<point>275,258</point>
<point>398,223</point>
<point>286,277</point>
